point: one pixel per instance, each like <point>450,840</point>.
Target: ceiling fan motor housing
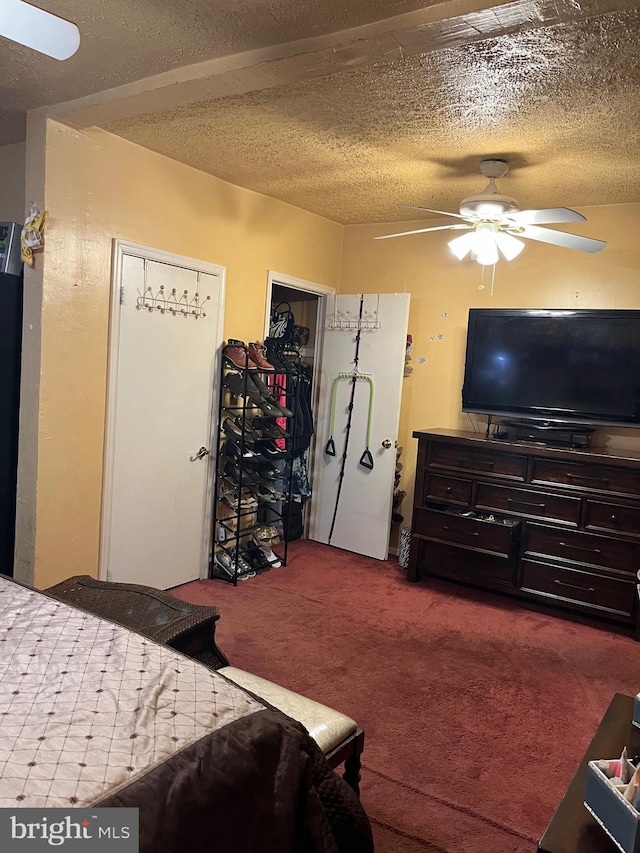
<point>488,205</point>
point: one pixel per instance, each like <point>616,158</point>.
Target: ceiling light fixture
<point>483,243</point>
<point>37,29</point>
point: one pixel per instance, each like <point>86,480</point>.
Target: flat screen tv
<point>576,367</point>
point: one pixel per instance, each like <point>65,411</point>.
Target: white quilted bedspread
<point>86,706</point>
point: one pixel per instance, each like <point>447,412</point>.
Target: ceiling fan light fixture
<point>461,246</point>
<point>509,246</point>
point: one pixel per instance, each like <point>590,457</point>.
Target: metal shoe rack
<point>247,495</point>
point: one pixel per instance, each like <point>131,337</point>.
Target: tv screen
<point>579,366</point>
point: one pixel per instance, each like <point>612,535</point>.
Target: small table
<point>188,628</point>
<point>572,828</point>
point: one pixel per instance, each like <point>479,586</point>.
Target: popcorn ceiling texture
<point>401,113</point>
<point>562,103</point>
<point>125,40</point>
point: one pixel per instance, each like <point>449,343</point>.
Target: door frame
<point>120,249</point>
<point>322,291</point>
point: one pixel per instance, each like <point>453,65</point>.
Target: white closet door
<point>156,522</point>
<point>363,517</point>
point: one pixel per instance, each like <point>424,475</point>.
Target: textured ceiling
<point>553,86</point>
<point>125,40</point>
<point>562,103</point>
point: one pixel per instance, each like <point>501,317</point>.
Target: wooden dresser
<point>548,524</point>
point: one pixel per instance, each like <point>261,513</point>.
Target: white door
<point>165,335</point>
<point>362,518</point>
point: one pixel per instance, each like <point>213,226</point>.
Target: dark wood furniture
<point>188,628</point>
<point>552,525</point>
<point>572,829</point>
<point>349,753</point>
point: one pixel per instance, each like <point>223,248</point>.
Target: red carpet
<point>476,710</point>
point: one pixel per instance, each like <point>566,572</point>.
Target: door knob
<point>200,454</point>
<point>386,444</point>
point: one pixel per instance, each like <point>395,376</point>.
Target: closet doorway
<point>306,300</point>
<point>350,504</point>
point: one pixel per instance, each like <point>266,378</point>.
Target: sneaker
<point>272,558</point>
<point>238,569</point>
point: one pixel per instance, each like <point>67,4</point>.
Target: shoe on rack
<point>270,556</point>
<point>265,470</point>
<point>238,568</point>
<point>266,394</point>
<point>265,492</point>
<point>235,382</point>
<point>269,428</point>
<point>234,450</point>
<point>269,450</point>
<point>257,356</point>
<point>234,497</point>
<point>233,428</point>
<point>250,477</point>
<point>235,354</point>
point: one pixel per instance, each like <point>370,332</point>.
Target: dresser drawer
<point>603,516</point>
<point>493,536</point>
<point>475,461</point>
<point>447,489</point>
<point>460,564</point>
<point>588,548</point>
<point>589,591</point>
<point>590,477</point>
<point>524,502</point>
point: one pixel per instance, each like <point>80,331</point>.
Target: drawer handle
<point>580,548</point>
<point>614,518</point>
<point>525,503</point>
<point>584,477</point>
<point>575,586</point>
<point>463,464</point>
<point>466,532</point>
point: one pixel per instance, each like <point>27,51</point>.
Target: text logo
<point>35,830</point>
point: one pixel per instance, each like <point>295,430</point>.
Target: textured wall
<point>100,187</point>
<point>541,277</point>
<point>12,180</point>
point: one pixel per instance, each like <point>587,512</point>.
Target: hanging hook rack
<point>169,302</point>
<point>365,321</point>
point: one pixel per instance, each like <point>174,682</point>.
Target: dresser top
<point>630,458</point>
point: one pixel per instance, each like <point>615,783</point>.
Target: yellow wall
<point>542,276</point>
<point>12,179</point>
<point>98,187</point>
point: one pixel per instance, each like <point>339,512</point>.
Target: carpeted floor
<point>476,710</point>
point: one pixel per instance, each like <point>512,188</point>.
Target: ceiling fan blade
<point>37,29</point>
<point>560,238</point>
<point>547,217</point>
<point>424,230</point>
<point>431,210</point>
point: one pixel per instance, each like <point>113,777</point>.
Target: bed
<point>93,714</point>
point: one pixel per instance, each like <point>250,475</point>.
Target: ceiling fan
<point>494,222</point>
<point>26,24</point>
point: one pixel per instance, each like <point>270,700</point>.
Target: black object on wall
<point>11,290</point>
